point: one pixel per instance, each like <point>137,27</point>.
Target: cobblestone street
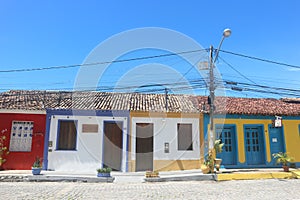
<point>251,189</point>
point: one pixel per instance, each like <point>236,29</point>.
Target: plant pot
<point>103,174</point>
<point>205,169</point>
<point>36,171</point>
<point>218,162</point>
<point>151,174</point>
<point>286,168</point>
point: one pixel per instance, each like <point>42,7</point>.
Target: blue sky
<point>54,33</point>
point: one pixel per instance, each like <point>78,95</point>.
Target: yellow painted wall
<point>291,136</point>
<point>168,165</point>
<point>240,134</point>
<point>290,128</point>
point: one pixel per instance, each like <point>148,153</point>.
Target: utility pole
<point>211,98</point>
<point>211,137</point>
<point>166,98</point>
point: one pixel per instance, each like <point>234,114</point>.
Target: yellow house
<point>252,129</point>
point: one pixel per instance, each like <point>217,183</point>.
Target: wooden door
<point>113,140</point>
<point>144,146</point>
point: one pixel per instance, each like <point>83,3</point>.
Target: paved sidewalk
<point>254,174</point>
<point>138,177</point>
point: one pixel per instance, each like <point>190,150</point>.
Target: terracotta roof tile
<point>40,100</point>
<point>251,106</point>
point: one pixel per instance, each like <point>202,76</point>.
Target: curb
<point>255,176</point>
<point>296,174</point>
<point>204,177</point>
<point>46,178</point>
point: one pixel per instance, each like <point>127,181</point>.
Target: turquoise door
<point>227,136</point>
<point>276,141</point>
<point>254,145</point>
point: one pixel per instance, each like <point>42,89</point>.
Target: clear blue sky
<point>53,33</point>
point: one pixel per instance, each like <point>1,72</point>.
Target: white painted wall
<point>88,154</point>
<point>165,130</point>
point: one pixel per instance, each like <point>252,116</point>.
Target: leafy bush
<point>37,163</point>
<point>218,146</point>
<point>282,158</point>
<point>104,170</point>
<point>3,148</point>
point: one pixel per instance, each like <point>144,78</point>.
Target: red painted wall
<point>23,160</point>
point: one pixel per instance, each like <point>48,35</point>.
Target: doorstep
<point>185,177</point>
<point>255,174</point>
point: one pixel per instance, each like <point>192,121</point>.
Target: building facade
<point>82,140</point>
<point>128,132</point>
<point>254,129</point>
<point>24,133</point>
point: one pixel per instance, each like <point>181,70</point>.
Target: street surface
<point>248,189</point>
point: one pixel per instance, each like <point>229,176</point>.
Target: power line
<point>234,69</point>
<point>237,71</point>
<point>99,63</point>
<point>192,85</point>
<point>261,59</point>
<point>143,58</point>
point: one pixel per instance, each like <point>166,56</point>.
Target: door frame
<point>264,143</point>
<point>135,141</point>
<point>103,141</point>
<point>283,140</point>
<point>236,161</point>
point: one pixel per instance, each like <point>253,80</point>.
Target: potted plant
<point>103,172</point>
<point>218,147</point>
<point>37,166</point>
<point>152,174</point>
<point>284,159</point>
<point>208,165</point>
<point>3,149</point>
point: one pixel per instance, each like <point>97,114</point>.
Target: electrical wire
<point>100,63</point>
<point>261,59</point>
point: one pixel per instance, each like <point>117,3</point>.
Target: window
<point>21,136</point>
<point>67,135</point>
<point>184,135</point>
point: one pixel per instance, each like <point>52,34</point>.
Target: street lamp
<point>226,33</point>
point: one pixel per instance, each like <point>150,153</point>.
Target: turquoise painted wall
<point>291,136</point>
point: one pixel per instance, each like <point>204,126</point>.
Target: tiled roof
<point>251,106</point>
<point>40,100</point>
<point>33,100</point>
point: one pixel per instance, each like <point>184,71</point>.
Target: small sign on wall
<point>90,128</point>
<point>167,148</point>
<point>274,140</point>
<point>277,122</point>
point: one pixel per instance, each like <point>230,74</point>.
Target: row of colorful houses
<point>82,131</point>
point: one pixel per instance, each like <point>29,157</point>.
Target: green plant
<point>104,170</point>
<point>218,146</point>
<point>209,161</point>
<point>37,163</point>
<point>282,158</point>
<point>3,148</point>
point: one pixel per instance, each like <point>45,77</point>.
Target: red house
<point>23,123</point>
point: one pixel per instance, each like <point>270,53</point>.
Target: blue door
<point>276,141</point>
<point>254,145</point>
<point>227,136</point>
